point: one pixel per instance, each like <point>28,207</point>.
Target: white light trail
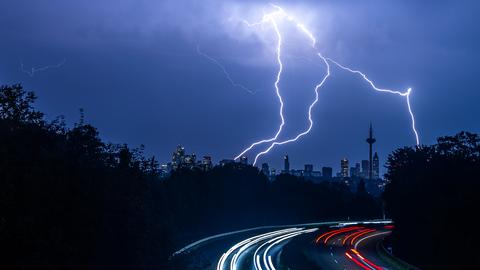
<point>221,263</point>
<point>203,241</point>
<point>225,255</point>
<point>368,237</point>
<point>267,262</point>
<point>34,70</point>
<point>271,18</point>
<point>266,241</point>
<point>265,253</point>
<point>255,240</point>
<point>225,72</point>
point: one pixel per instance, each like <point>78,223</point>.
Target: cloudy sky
<point>145,72</point>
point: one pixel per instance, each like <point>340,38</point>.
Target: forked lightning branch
<point>272,19</point>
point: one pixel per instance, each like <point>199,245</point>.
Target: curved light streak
<point>256,257</point>
<point>368,237</point>
<point>268,262</point>
<point>345,239</point>
<point>255,240</point>
<point>196,244</point>
<point>357,262</point>
<point>366,261</point>
<point>330,234</point>
<point>232,257</point>
<point>360,234</point>
<point>222,261</point>
<point>275,240</point>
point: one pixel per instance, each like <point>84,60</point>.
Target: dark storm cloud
<point>133,66</point>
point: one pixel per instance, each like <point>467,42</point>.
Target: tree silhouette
<point>69,200</point>
<point>16,105</point>
<point>432,195</point>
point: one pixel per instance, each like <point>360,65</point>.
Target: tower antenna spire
<point>370,140</point>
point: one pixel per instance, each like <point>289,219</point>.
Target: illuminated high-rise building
<point>344,167</point>
<point>189,161</point>
<point>165,170</point>
<point>178,157</point>
<point>244,160</point>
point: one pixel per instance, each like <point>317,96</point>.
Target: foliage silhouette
<point>68,200</point>
<point>433,199</point>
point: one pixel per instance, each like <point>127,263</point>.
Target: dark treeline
<point>237,196</point>
<point>434,200</point>
<point>68,200</point>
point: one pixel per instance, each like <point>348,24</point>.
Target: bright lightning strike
<point>405,94</point>
<point>270,18</point>
<point>34,70</point>
<point>317,87</point>
<point>225,72</point>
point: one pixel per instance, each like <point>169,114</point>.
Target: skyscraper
<point>265,169</point>
<point>365,168</point>
<point>344,167</point>
<point>352,171</point>
<point>357,170</point>
<point>206,163</point>
<point>178,157</point>
<point>225,162</point>
<point>327,172</point>
<point>189,161</point>
<point>286,164</point>
<point>307,172</point>
<point>376,166</point>
<point>370,141</point>
<point>244,160</point>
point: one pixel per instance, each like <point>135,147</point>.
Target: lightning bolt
<point>317,87</point>
<point>270,18</point>
<point>225,72</point>
<point>405,94</point>
<point>34,70</point>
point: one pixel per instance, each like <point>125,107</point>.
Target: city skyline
<point>183,97</point>
<point>367,169</point>
<point>239,135</point>
<point>363,172</point>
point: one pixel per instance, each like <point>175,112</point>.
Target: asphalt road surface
<point>333,245</point>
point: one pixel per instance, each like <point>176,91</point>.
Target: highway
<point>332,245</point>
